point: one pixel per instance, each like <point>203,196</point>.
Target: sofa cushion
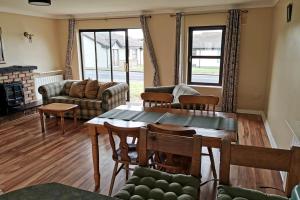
<point>237,193</point>
<point>67,87</point>
<point>90,104</point>
<point>91,89</point>
<point>183,90</point>
<point>146,183</point>
<point>104,86</point>
<point>61,99</point>
<point>78,89</point>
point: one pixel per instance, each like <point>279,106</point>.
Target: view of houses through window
<point>206,55</point>
<point>114,55</point>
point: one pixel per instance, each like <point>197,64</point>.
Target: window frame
<point>190,54</point>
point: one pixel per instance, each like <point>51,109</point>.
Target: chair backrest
<point>198,102</point>
<point>261,157</point>
<point>157,99</point>
<point>124,134</point>
<point>169,162</point>
<point>173,144</point>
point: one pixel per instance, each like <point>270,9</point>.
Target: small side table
<point>58,110</point>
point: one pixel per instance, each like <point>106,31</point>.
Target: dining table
<point>212,126</point>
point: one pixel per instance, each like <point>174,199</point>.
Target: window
<point>206,50</point>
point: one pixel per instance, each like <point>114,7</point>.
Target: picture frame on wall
<point>2,60</point>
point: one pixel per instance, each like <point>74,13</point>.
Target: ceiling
<point>87,8</point>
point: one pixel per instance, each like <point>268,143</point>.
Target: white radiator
<point>43,80</point>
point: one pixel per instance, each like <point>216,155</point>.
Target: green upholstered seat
<point>296,193</point>
<point>147,183</point>
<point>237,193</point>
<point>52,191</point>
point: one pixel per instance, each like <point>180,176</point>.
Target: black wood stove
<point>11,97</point>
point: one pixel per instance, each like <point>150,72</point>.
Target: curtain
<point>149,44</point>
<point>177,48</point>
<point>71,37</point>
<point>231,61</point>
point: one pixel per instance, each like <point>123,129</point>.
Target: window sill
<point>206,86</point>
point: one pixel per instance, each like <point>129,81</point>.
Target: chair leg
<point>113,178</point>
<point>212,162</point>
<point>127,171</point>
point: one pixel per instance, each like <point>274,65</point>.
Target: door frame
<point>110,47</point>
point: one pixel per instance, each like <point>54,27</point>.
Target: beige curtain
<point>231,61</point>
<point>149,44</point>
<point>71,37</point>
<point>177,48</point>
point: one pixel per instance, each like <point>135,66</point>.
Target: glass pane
<point>103,56</point>
<point>205,70</point>
<point>207,42</point>
<point>136,64</point>
<point>88,55</point>
<point>118,49</point>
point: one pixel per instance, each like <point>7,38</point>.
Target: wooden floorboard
<point>28,157</point>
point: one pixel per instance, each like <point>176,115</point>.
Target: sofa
<point>106,99</point>
<point>175,90</point>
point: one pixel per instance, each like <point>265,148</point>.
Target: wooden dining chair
<point>199,102</point>
<point>156,99</point>
<point>167,161</point>
<point>259,157</point>
<point>124,153</point>
<point>148,183</point>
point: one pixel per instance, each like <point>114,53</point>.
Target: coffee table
<point>58,110</point>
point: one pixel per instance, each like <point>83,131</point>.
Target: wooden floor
<point>28,157</point>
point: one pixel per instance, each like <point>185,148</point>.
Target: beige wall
<point>44,50</point>
<point>283,102</point>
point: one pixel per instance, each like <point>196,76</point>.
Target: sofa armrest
<point>114,96</point>
<point>163,89</point>
<point>50,90</point>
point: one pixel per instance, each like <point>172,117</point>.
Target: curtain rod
<point>109,18</point>
<point>205,13</point>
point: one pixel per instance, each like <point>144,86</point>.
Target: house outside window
<point>206,51</point>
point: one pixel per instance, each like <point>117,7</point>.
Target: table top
<point>58,107</point>
<point>210,133</point>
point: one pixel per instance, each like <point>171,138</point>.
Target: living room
<point>147,45</point>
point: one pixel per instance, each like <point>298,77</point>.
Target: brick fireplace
<point>23,74</point>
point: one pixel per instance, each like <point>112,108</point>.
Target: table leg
<point>75,117</point>
<point>62,121</point>
<point>95,151</point>
<point>56,119</point>
<point>42,120</point>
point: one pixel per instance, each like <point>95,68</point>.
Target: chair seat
<point>132,153</point>
<point>237,193</point>
<point>146,183</point>
<point>296,193</point>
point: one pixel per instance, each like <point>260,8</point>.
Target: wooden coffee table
<point>58,110</point>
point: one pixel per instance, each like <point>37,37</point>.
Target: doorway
<point>114,55</point>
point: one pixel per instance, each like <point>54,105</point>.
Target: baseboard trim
<point>246,111</point>
<point>268,130</point>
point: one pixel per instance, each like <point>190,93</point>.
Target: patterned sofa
<point>59,93</point>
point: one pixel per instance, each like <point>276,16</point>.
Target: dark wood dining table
<point>210,137</point>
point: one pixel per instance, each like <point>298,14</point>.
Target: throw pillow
<point>102,87</point>
<point>78,89</point>
<point>91,89</point>
<point>183,90</point>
